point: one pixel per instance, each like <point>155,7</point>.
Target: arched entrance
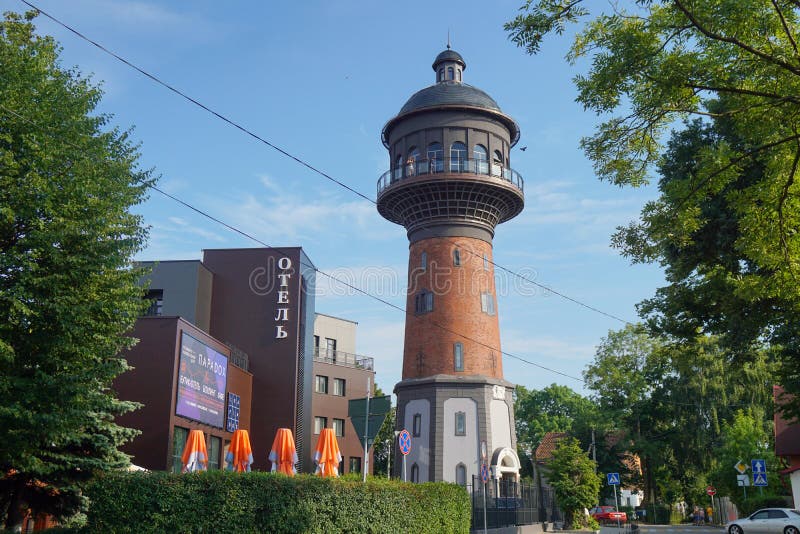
<point>505,464</point>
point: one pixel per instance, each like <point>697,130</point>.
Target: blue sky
<point>320,79</point>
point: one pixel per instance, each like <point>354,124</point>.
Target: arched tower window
<point>461,475</point>
<point>458,156</point>
<point>497,163</point>
<point>411,161</point>
<point>436,157</point>
<point>458,356</point>
<point>441,74</point>
<point>424,261</point>
<point>480,156</point>
<point>450,73</point>
<point>398,168</point>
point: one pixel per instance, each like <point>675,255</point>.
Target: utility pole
<point>366,431</point>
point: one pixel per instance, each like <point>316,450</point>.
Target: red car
<point>607,514</point>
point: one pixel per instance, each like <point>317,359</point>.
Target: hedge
<point>751,504</point>
<point>220,501</point>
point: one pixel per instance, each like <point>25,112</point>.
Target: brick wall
<point>429,349</point>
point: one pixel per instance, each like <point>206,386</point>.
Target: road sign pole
<point>366,432</point>
<point>404,468</point>
<point>617,506</point>
<point>484,507</point>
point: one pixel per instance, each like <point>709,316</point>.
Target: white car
<point>767,521</point>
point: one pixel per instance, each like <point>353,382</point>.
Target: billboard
<point>202,379</point>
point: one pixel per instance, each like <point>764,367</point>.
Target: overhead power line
<point>314,268</point>
<point>297,159</point>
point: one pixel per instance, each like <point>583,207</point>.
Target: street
<point>668,529</point>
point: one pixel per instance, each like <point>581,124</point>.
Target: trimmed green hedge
<point>747,507</point>
<point>220,501</point>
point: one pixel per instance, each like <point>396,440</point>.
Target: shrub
<point>222,502</point>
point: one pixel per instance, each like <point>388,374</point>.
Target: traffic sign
<point>710,490</point>
<point>484,473</point>
<point>759,466</point>
<point>760,479</point>
<point>742,480</point>
<point>404,442</point>
<point>741,467</point>
<point>613,479</point>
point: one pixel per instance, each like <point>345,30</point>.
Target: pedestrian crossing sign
<point>613,479</point>
<point>759,479</point>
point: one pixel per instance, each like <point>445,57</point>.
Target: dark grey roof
<point>449,55</point>
<point>449,94</point>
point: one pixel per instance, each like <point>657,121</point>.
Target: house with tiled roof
<point>787,445</point>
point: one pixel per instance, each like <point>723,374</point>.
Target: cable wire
<point>297,159</point>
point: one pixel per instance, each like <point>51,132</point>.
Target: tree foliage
<point>67,289</point>
<point>725,225</point>
<point>572,475</point>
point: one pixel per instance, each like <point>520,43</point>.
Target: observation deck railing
<point>346,359</point>
<point>422,167</point>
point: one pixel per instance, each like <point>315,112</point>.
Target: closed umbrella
<point>240,455</point>
<point>327,454</point>
<point>195,455</point>
<point>283,454</point>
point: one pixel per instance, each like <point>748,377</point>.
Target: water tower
<point>450,184</point>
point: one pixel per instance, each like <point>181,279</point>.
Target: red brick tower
<point>450,184</point>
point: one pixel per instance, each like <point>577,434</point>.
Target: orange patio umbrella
<point>327,454</point>
<point>240,455</point>
<point>283,454</point>
<point>195,455</point>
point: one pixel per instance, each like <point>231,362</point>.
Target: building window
<point>461,475</point>
<point>441,74</point>
<point>398,168</point>
<point>321,384</point>
<point>436,157</point>
<point>424,261</point>
<point>458,73</point>
<point>319,424</point>
<point>498,158</point>
<point>416,428</point>
<point>156,298</point>
<point>179,437</point>
<point>450,73</point>
<point>481,159</point>
<point>338,427</point>
<point>316,346</point>
<point>330,349</point>
<point>461,424</point>
<point>355,464</point>
<point>456,257</point>
<point>458,156</point>
<point>423,302</point>
<point>411,161</point>
<point>415,473</point>
<point>458,357</point>
<point>339,385</point>
<point>487,303</point>
<point>485,262</point>
<point>214,446</point>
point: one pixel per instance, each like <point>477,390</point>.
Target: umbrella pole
<point>366,432</point>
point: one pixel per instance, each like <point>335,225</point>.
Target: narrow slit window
<point>456,257</point>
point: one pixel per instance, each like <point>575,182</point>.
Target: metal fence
<point>510,503</point>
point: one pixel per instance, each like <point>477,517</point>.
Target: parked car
<point>609,514</point>
<point>767,521</point>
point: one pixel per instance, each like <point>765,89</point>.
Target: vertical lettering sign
<point>234,404</point>
<point>202,379</point>
<point>282,312</point>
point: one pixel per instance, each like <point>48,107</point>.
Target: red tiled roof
<point>549,443</point>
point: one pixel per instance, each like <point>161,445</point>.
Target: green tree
<point>68,292</point>
<point>733,64</point>
<point>384,440</point>
<point>572,475</point>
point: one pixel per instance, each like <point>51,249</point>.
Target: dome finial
<point>448,38</point>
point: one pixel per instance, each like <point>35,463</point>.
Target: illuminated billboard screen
<point>202,378</point>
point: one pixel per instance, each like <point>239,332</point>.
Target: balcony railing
<point>337,357</point>
<point>422,167</point>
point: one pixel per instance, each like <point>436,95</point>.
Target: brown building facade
<point>256,308</point>
<point>340,375</point>
<point>155,382</point>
